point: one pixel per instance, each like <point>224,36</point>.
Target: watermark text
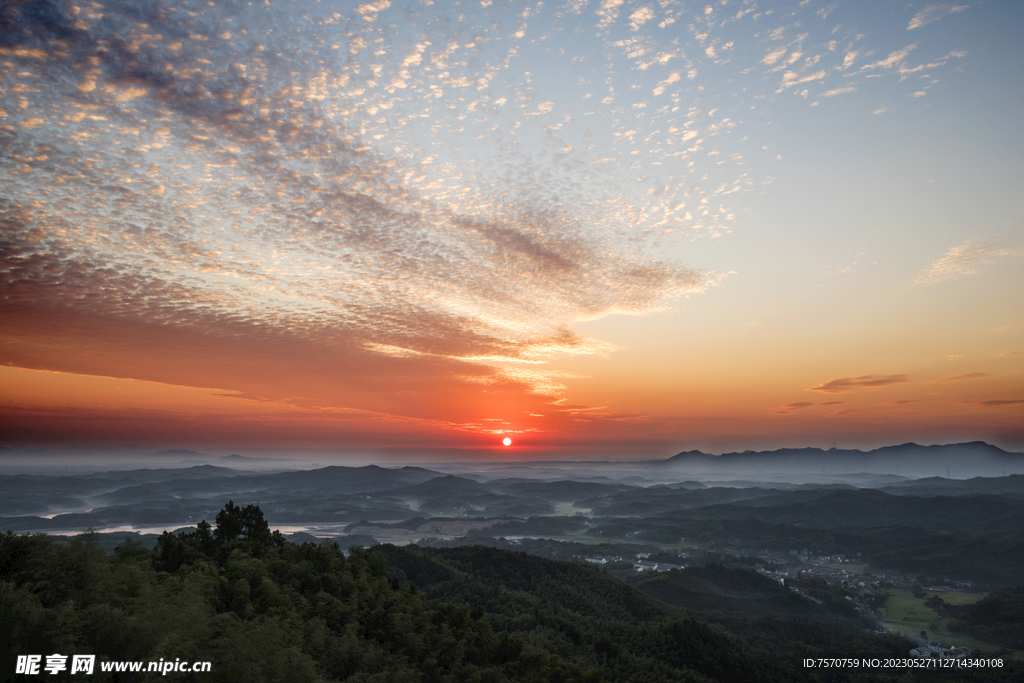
<point>86,664</point>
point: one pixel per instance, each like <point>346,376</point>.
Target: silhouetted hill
<point>909,459</point>
<point>660,499</point>
<point>835,509</point>
<point>163,474</point>
<point>349,479</point>
<point>245,460</point>
<point>565,490</point>
<point>1011,486</point>
<point>182,453</point>
<point>448,485</point>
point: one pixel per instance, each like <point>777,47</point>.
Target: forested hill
<point>268,610</point>
<point>263,609</point>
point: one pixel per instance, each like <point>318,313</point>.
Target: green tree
<point>238,523</point>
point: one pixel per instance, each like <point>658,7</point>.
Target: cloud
<point>790,407</point>
<point>360,203</point>
<point>965,259</point>
<point>640,17</point>
<point>282,211</point>
<point>801,405</point>
<point>774,55</point>
<point>895,57</point>
<point>905,71</point>
<point>257,209</point>
<point>827,10</point>
<point>609,12</point>
<point>791,78</point>
<point>996,404</point>
<point>899,403</point>
<point>540,381</point>
<point>839,91</point>
<point>839,386</point>
<point>1008,354</point>
<point>933,13</point>
<point>960,378</point>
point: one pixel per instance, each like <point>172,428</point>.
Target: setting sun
<point>507,441</point>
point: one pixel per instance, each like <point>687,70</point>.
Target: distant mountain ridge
<point>975,458</point>
<point>181,453</point>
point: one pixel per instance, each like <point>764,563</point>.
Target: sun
<point>507,441</point>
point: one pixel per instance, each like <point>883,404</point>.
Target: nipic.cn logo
<point>34,665</point>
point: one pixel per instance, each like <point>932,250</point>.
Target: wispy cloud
<point>895,58</point>
<point>905,71</point>
<point>839,91</point>
<point>793,78</point>
<point>996,404</point>
<point>933,13</point>
<point>960,378</point>
<point>801,405</point>
<point>839,386</point>
<point>965,260</point>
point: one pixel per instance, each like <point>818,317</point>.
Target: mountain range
<point>961,460</point>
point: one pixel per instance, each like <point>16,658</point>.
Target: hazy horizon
<point>98,457</point>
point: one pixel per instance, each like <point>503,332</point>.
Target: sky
<point>602,229</point>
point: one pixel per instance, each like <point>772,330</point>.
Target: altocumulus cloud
<point>196,168</point>
<point>966,259</point>
<point>368,190</point>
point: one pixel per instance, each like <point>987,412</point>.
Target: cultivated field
<point>909,615</point>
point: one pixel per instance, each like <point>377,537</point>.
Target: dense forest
<point>261,608</point>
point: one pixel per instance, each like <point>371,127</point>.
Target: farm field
<point>904,613</point>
